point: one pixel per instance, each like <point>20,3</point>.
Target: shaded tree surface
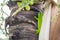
<point>23,25</point>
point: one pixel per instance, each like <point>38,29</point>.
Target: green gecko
<point>40,16</point>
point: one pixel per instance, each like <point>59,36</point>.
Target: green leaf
<point>31,2</point>
<point>27,7</point>
<point>18,3</point>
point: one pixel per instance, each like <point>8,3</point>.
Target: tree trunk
<point>23,25</point>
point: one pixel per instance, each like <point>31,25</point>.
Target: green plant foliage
<point>40,16</point>
<point>31,2</point>
<point>18,3</point>
<point>27,7</point>
<point>23,4</point>
<point>2,19</point>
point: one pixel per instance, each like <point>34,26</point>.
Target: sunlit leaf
<point>31,2</point>
<point>27,7</point>
<point>18,3</point>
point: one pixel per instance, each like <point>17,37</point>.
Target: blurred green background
<point>4,12</point>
